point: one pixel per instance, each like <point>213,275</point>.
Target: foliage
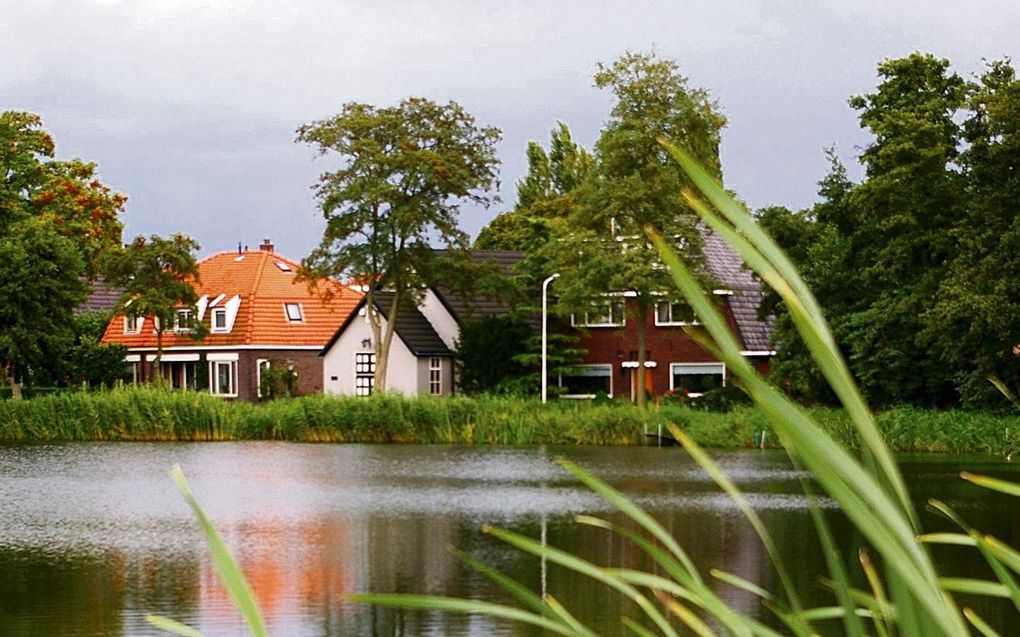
<point>404,172</point>
<point>632,185</point>
<point>89,362</point>
<point>157,277</point>
<point>485,353</point>
<point>278,380</point>
<point>915,266</point>
<point>56,222</point>
<point>545,197</point>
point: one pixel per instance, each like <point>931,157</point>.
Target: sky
<point>190,107</point>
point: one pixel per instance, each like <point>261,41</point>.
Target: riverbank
<point>148,414</point>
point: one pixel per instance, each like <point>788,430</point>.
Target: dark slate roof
<point>101,299</point>
<point>413,328</point>
<point>480,306</point>
<point>727,266</point>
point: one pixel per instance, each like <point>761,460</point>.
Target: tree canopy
<point>405,171</point>
<point>57,220</point>
<point>916,265</point>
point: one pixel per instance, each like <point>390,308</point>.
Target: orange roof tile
<point>264,287</point>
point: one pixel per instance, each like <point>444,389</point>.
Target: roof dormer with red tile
<point>256,313</point>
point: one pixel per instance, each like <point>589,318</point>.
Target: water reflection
<point>94,536</point>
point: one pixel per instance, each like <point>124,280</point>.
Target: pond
<point>94,536</point>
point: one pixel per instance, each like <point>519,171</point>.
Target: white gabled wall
<point>402,375</point>
<point>440,318</point>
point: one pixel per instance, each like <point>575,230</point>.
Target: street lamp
<point>545,335</point>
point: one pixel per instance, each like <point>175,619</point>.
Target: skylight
<point>283,266</point>
<point>293,311</point>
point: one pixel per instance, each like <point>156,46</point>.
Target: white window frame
<point>214,379</point>
<point>435,376</point>
<point>139,321</point>
<point>614,321</point>
<point>219,311</point>
<point>260,364</point>
<point>287,307</point>
<point>713,364</point>
<point>183,326</point>
<point>364,373</point>
<point>670,320</point>
<point>559,381</point>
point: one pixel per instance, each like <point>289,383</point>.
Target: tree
<point>157,276</point>
<point>56,222</point>
<point>405,171</point>
<point>88,361</point>
<point>545,197</point>
<point>975,321</point>
<point>635,185</point>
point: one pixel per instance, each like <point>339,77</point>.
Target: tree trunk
<point>383,357</point>
<point>15,388</point>
<point>642,329</point>
<point>159,356</point>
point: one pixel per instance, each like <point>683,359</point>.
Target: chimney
<point>267,245</point>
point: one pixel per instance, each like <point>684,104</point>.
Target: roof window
<point>284,267</point>
<point>293,311</point>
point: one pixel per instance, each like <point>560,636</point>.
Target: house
<point>674,361</point>
<point>257,315</point>
<point>421,359</point>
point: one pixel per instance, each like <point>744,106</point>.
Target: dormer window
<point>183,321</point>
<point>293,311</point>
<point>219,319</point>
<point>132,324</point>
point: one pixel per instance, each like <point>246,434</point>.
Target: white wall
<point>442,322</point>
<point>402,372</point>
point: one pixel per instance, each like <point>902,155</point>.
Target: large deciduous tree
<point>405,171</point>
<point>634,185</point>
<point>57,220</point>
<point>157,276</point>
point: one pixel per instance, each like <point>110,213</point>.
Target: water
<point>95,536</point>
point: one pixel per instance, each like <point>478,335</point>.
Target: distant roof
<point>411,327</point>
<point>265,282</point>
<point>479,305</point>
<point>727,266</point>
<point>101,299</point>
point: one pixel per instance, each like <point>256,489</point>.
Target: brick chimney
<point>267,245</point>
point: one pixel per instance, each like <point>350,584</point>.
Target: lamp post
<point>545,335</point>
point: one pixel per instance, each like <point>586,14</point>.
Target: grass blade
<point>520,592</point>
<point>223,561</point>
<point>974,587</point>
<point>979,623</point>
<point>995,484</point>
<point>172,626</point>
<point>463,606</point>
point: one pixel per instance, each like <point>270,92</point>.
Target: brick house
<point>257,316</point>
<point>675,362</point>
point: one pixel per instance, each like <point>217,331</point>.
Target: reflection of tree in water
<point>105,593</point>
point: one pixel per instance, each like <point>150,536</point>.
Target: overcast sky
<point>189,107</point>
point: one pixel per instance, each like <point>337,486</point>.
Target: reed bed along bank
<point>152,414</point>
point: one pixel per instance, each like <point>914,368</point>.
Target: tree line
<point>915,265</point>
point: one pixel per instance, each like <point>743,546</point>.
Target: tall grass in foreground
<point>905,595</point>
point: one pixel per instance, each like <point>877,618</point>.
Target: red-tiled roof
<point>264,281</point>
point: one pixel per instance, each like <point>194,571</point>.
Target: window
<point>694,379</point>
<point>261,366</point>
<point>293,311</point>
<point>364,374</point>
<point>670,313</point>
<point>182,322</point>
<point>223,378</point>
<point>283,267</point>
<point>436,376</point>
<point>132,324</point>
<point>608,315</point>
<point>587,381</point>
<point>219,319</point>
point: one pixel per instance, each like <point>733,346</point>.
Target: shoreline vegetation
<point>154,414</point>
